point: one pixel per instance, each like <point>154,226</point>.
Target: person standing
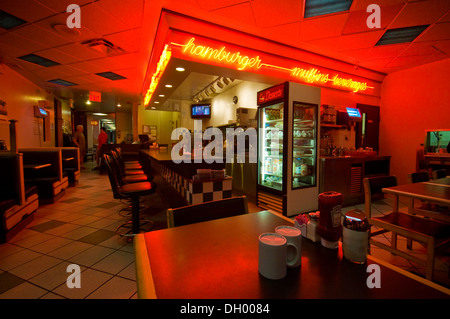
<point>80,141</point>
<point>102,139</point>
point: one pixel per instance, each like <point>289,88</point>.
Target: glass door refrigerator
<point>287,148</point>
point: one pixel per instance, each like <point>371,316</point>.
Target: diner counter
<point>181,176</point>
<point>345,174</point>
<point>186,170</point>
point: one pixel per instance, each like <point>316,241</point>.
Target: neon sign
<point>242,62</point>
<point>163,60</point>
<point>221,55</point>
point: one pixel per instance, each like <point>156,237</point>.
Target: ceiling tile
<point>58,56</point>
<point>57,24</point>
<point>269,13</point>
<point>357,54</point>
<point>82,52</point>
<point>49,74</point>
<point>20,42</point>
<point>386,51</point>
<point>88,67</point>
<point>287,33</point>
<point>241,13</point>
<point>117,62</point>
<point>213,5</point>
<point>445,18</point>
<point>358,5</point>
<point>45,37</point>
<point>440,31</point>
<point>402,62</point>
<point>6,49</point>
<point>324,27</point>
<point>357,21</point>
<point>27,10</point>
<point>420,13</point>
<point>129,11</point>
<point>327,44</point>
<point>420,48</point>
<point>96,19</point>
<point>359,40</point>
<point>84,79</point>
<point>61,5</point>
<point>128,40</point>
<point>443,46</point>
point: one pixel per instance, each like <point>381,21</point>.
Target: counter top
<point>165,155</point>
<point>161,155</point>
<point>353,158</point>
<point>443,155</point>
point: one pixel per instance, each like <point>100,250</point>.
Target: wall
<point>223,109</point>
<point>124,125</point>
<point>412,101</point>
<point>165,121</point>
<point>21,95</point>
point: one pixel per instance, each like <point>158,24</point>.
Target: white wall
<point>21,95</point>
<point>223,109</point>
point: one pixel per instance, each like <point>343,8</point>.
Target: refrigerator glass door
<point>304,150</point>
<point>270,157</point>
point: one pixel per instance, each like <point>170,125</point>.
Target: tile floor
<point>80,229</point>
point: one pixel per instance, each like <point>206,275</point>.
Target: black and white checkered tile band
<point>197,192</point>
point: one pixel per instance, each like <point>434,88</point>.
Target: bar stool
<point>126,179</point>
<point>119,153</point>
<point>129,170</point>
<point>132,191</point>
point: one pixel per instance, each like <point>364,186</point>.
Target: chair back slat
<point>439,173</point>
<point>207,211</point>
<point>418,177</point>
<point>373,186</point>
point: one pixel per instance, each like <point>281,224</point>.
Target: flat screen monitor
<point>201,111</point>
<point>40,111</point>
<point>353,112</point>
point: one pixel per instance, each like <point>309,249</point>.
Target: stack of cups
<point>279,250</point>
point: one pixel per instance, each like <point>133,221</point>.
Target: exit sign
<point>95,96</point>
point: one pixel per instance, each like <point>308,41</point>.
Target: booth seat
<point>17,201</point>
<point>71,164</point>
<point>50,181</point>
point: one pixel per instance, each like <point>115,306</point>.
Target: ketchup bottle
<point>330,227</point>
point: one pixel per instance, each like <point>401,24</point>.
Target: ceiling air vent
<point>103,46</point>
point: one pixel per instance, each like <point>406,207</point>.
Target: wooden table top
<point>219,260</point>
<point>425,190</point>
<point>441,181</point>
<point>36,166</point>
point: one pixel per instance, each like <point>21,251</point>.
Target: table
<point>441,181</point>
<point>218,259</point>
<point>34,168</point>
<point>435,191</point>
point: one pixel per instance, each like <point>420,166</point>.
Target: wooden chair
<point>418,177</point>
<point>197,213</point>
<point>426,208</point>
<point>430,232</point>
<point>439,173</point>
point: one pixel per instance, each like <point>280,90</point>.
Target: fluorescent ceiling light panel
<point>111,76</point>
<point>401,35</point>
<point>8,21</point>
<point>314,8</point>
<point>36,59</point>
<point>62,82</point>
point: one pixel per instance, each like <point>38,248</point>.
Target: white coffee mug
<point>293,236</point>
<point>272,255</point>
